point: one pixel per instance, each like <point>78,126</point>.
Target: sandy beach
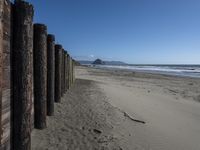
<point>125,110</point>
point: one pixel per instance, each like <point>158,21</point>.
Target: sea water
<point>178,70</point>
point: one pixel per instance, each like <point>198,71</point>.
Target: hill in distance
<point>101,62</point>
<point>98,62</point>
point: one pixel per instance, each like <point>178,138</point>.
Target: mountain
<point>87,62</point>
<point>98,62</point>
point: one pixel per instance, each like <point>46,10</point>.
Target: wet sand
<point>123,110</point>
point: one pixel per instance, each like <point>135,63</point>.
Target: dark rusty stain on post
<point>58,67</point>
<point>40,75</point>
<point>22,75</point>
<point>50,74</point>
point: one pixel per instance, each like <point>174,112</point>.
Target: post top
<point>51,37</point>
<point>65,52</point>
<point>58,46</point>
<point>40,26</point>
<point>24,2</point>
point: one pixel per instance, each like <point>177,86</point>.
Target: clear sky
<point>133,31</point>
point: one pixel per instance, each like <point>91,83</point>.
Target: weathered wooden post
<point>1,65</point>
<point>73,71</point>
<point>22,69</point>
<point>66,71</point>
<point>50,74</point>
<point>69,72</point>
<point>74,77</point>
<point>62,74</point>
<point>6,75</point>
<point>58,67</point>
<point>40,75</point>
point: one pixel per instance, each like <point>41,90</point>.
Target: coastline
<point>192,71</point>
<point>106,100</point>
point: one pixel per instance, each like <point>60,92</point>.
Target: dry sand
<point>84,120</point>
<point>103,108</point>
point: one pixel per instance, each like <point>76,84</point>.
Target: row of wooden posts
<point>41,72</point>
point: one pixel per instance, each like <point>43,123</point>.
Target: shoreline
<point>168,73</point>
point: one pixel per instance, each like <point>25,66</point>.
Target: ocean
<point>177,70</point>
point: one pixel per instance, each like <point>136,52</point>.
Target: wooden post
<point>50,74</point>
<point>22,67</point>
<point>66,76</point>
<point>69,58</point>
<point>71,71</point>
<point>1,64</point>
<point>68,70</point>
<point>73,64</point>
<point>58,67</point>
<point>40,75</point>
<point>6,76</point>
<point>74,70</point>
<point>62,74</point>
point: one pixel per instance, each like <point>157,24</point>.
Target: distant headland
<point>100,62</point>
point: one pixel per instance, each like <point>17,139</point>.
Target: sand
<point>84,120</point>
<point>110,109</point>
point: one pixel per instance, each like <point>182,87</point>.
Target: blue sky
<point>133,31</point>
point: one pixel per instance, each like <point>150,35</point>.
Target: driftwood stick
<point>131,118</point>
